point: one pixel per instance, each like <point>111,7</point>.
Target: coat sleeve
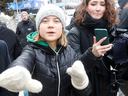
<point>5,92</point>
<point>85,92</point>
<point>18,32</point>
<point>26,59</point>
<point>88,59</point>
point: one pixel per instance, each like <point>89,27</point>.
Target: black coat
<point>12,41</point>
<point>80,40</point>
<point>123,19</point>
<point>49,67</point>
<point>4,62</point>
<point>23,29</point>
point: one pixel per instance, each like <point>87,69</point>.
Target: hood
<point>30,38</point>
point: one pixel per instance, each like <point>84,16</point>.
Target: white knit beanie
<point>24,12</point>
<point>49,10</point>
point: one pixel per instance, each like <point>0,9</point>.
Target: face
<point>50,29</point>
<point>96,8</point>
<point>24,16</point>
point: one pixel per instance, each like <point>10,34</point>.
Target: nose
<point>51,24</point>
<point>98,7</point>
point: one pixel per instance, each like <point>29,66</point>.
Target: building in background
<point>69,5</point>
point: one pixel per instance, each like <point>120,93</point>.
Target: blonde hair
<point>61,41</point>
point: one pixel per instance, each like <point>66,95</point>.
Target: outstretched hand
<point>17,79</point>
<point>99,50</point>
<point>78,75</point>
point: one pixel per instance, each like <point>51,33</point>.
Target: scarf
<point>26,21</point>
<point>90,22</point>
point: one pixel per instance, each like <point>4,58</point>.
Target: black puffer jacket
<point>50,69</point>
<point>23,29</point>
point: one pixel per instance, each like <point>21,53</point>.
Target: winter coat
<point>50,68</point>
<point>123,19</point>
<point>80,39</point>
<point>12,41</point>
<point>23,29</point>
<point>4,62</point>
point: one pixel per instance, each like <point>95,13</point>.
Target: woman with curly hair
<point>91,14</point>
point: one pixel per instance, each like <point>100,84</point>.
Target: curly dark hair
<point>110,14</point>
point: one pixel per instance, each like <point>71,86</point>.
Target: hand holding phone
<point>98,49</point>
<point>101,33</point>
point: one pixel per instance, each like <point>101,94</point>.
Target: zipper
<point>57,69</point>
<point>58,74</point>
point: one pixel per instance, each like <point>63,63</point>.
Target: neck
<point>53,45</point>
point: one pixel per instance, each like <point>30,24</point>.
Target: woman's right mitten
<point>18,78</point>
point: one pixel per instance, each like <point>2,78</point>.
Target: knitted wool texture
<point>49,10</point>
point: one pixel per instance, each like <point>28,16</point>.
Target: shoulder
<point>70,51</point>
<point>74,30</point>
<point>20,23</point>
<point>8,31</point>
<point>3,45</point>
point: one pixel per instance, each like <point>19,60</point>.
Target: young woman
<point>49,58</point>
<point>91,14</point>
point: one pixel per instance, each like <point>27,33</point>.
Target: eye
<point>93,4</point>
<point>44,20</point>
<point>102,4</point>
<point>57,20</point>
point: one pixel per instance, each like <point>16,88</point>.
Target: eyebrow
<point>53,17</point>
<point>96,2</point>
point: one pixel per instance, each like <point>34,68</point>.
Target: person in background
<point>4,62</point>
<point>12,41</point>
<point>3,24</point>
<point>124,25</point>
<point>124,14</point>
<point>55,67</point>
<point>24,27</point>
<point>91,14</point>
<point>67,19</point>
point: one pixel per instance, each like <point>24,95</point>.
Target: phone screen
<point>100,33</point>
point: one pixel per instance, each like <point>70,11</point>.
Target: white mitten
<point>79,77</point>
<point>19,78</point>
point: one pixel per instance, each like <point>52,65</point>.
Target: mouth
<point>50,32</point>
<point>97,14</point>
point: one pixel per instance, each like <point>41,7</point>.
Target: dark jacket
<point>123,19</point>
<point>12,41</point>
<point>80,40</point>
<point>50,67</point>
<point>23,29</point>
<point>4,62</point>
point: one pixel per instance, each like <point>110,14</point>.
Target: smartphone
<point>100,33</point>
